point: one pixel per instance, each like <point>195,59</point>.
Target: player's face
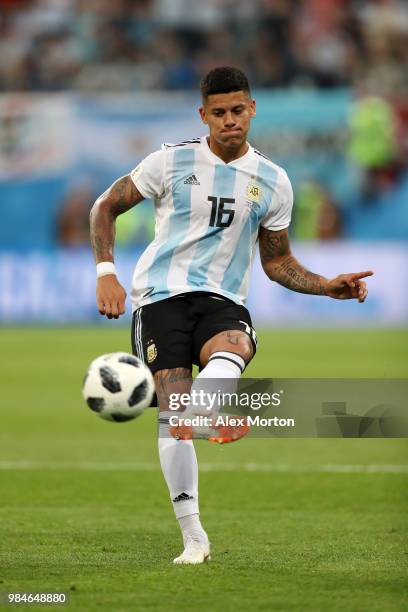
<point>228,117</point>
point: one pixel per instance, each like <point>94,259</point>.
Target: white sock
<point>178,461</point>
<point>222,364</point>
<point>191,527</point>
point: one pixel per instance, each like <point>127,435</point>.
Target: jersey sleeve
<point>148,176</point>
<point>280,209</point>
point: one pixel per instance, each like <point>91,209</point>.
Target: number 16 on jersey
<point>220,215</point>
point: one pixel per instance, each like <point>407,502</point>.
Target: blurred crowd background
<point>100,45</point>
<point>89,87</point>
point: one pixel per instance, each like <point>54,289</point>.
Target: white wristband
<point>104,268</point>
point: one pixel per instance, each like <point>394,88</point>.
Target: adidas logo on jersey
<point>192,180</point>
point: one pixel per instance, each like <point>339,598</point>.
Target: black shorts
<point>171,333</point>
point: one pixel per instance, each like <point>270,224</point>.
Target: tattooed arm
<point>282,267</point>
<point>119,198</point>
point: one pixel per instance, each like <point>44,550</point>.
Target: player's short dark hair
<point>224,80</point>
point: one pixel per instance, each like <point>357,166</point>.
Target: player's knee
<point>245,348</point>
<point>234,342</point>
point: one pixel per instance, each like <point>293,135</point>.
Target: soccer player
<point>215,197</point>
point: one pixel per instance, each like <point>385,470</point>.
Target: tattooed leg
<point>223,359</point>
<point>176,380</point>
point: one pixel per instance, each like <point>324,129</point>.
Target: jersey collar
<point>214,158</point>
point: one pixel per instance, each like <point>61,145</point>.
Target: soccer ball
<point>118,387</point>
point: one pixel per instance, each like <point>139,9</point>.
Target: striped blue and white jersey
<point>208,215</point>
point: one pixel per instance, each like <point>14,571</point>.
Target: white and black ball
<point>118,387</point>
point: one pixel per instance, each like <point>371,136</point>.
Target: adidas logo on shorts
<point>192,180</point>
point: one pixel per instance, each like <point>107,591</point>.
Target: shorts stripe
<point>135,333</point>
<point>138,334</point>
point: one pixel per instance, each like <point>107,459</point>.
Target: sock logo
<point>182,497</point>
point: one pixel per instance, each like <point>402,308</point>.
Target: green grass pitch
<point>84,508</point>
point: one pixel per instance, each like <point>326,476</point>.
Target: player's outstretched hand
<point>348,286</point>
<point>110,296</point>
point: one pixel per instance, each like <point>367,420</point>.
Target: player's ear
<point>201,110</point>
<point>252,108</point>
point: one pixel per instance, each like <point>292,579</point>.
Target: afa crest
<point>253,192</point>
<point>151,352</point>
